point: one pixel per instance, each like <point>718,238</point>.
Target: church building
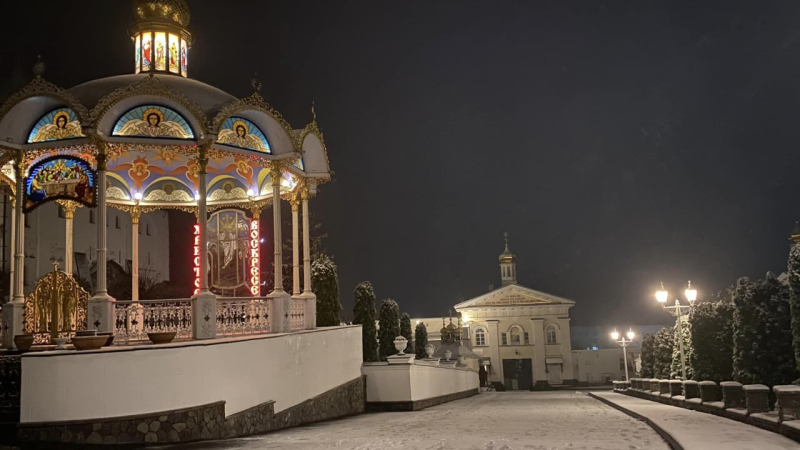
<point>523,334</point>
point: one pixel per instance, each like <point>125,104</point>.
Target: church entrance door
<point>554,374</point>
<point>518,374</point>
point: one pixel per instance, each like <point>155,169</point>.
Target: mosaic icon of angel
<point>62,127</point>
<point>239,135</point>
<point>152,124</point>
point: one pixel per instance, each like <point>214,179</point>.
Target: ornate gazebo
<point>156,140</point>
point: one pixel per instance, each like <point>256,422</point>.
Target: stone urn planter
<point>24,342</point>
<point>429,350</point>
<point>88,342</point>
<point>109,338</point>
<point>162,337</point>
<point>400,344</point>
<point>447,355</point>
<point>60,343</point>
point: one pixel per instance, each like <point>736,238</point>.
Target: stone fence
<point>749,403</point>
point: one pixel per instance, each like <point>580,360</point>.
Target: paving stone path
<point>490,421</point>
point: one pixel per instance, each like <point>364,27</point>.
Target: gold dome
<point>507,256</point>
<point>175,11</point>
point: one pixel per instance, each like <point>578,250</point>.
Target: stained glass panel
<point>184,51</point>
<point>173,54</point>
<point>228,251</point>
<point>242,133</point>
<point>58,124</point>
<point>138,53</point>
<point>300,164</point>
<point>147,51</point>
<point>64,177</point>
<point>153,121</point>
<point>160,45</point>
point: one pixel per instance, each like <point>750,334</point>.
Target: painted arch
<point>57,124</point>
<point>242,133</point>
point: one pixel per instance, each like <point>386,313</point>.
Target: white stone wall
<point>414,382</point>
<point>244,372</point>
<point>45,240</point>
<point>594,366</point>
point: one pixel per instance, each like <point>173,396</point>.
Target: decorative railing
<point>10,387</point>
<point>297,311</point>
<point>238,316</point>
<point>133,320</point>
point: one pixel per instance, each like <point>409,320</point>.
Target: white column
<point>135,214</point>
<point>281,301</point>
<point>69,208</point>
<point>308,294</point>
<point>12,246</point>
<point>539,356</point>
<point>567,373</point>
<point>496,370</point>
<point>204,304</point>
<point>100,314</point>
<point>14,309</point>
<point>295,248</point>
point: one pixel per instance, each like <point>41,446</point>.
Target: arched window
<point>242,133</point>
<point>58,124</point>
<point>153,121</point>
<point>480,337</point>
<point>515,334</point>
<point>552,334</point>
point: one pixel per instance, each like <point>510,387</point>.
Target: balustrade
<point>242,316</point>
<point>297,314</point>
<point>133,320</point>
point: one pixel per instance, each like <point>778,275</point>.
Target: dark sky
<point>619,143</point>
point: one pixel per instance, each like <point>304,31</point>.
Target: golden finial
<point>505,236</point>
<point>55,265</point>
<point>255,83</point>
<point>313,112</point>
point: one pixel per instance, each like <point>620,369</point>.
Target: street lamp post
<point>678,311</point>
<point>624,343</point>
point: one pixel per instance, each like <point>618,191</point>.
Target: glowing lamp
<point>662,295</point>
<point>197,197</point>
<point>137,196</point>
<point>630,335</point>
<point>691,294</point>
<point>615,335</point>
<point>250,193</point>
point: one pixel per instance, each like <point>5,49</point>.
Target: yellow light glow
<point>615,335</point>
<point>691,293</point>
<point>631,335</point>
<point>662,295</point>
<point>173,54</point>
<point>160,47</point>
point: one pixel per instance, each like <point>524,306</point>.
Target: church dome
<point>174,11</point>
<point>507,256</point>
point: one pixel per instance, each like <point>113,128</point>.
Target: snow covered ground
<point>490,421</point>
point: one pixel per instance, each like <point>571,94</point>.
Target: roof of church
<point>514,294</point>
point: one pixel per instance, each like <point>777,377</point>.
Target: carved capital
<point>255,211</point>
<point>102,161</point>
<point>136,213</point>
<point>202,156</point>
<point>295,202</point>
<point>69,208</point>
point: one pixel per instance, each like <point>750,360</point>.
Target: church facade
<point>521,334</point>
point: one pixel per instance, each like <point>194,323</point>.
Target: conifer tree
<point>664,344</point>
<point>364,315</point>
<point>676,368</point>
<point>794,286</point>
<point>420,340</point>
<point>744,331</point>
<point>325,281</point>
<point>648,355</point>
<point>389,318</point>
<point>405,331</point>
<point>712,340</point>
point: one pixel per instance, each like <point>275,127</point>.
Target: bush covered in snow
<point>405,331</point>
<point>364,315</point>
<point>325,280</point>
<point>664,341</point>
<point>389,327</point>
<point>794,287</point>
<point>712,340</point>
<point>420,340</point>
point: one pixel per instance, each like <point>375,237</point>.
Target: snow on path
<point>695,430</point>
<point>490,421</point>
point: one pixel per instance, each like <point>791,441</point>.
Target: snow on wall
<point>412,382</point>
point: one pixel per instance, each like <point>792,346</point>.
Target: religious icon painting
<point>184,52</point>
<point>160,45</point>
<point>300,164</point>
<point>58,124</point>
<point>242,133</point>
<point>153,121</point>
<point>60,177</point>
<point>138,53</point>
<point>147,51</point>
<point>174,56</point>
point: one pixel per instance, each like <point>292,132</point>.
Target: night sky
<point>618,143</point>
